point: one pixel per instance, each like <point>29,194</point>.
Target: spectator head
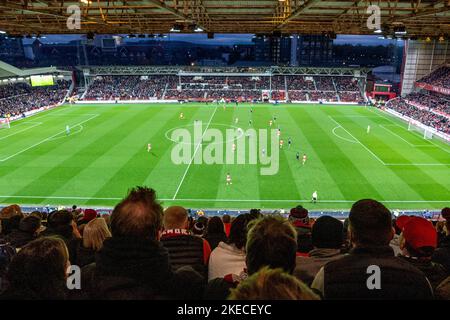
<point>419,238</point>
<point>95,232</point>
<point>370,224</point>
<point>327,233</point>
<point>11,211</point>
<point>226,218</point>
<point>272,242</point>
<point>88,215</point>
<point>299,216</point>
<point>198,229</point>
<point>238,231</point>
<point>175,217</point>
<point>10,217</point>
<point>255,213</point>
<point>204,220</point>
<point>272,284</point>
<point>139,215</point>
<point>30,224</point>
<point>215,226</point>
<point>39,268</point>
<point>37,214</point>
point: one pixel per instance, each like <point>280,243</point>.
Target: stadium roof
<point>7,71</point>
<point>420,17</point>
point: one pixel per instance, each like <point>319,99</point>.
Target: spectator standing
<point>38,271</point>
<point>27,232</point>
<point>370,230</point>
<point>215,232</point>
<point>184,248</point>
<point>133,264</point>
<point>327,241</point>
<point>418,242</point>
<point>299,218</point>
<point>95,233</point>
<point>229,257</point>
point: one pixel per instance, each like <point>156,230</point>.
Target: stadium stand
<point>439,78</point>
<point>132,263</point>
<point>19,98</point>
<point>425,104</point>
<point>229,88</point>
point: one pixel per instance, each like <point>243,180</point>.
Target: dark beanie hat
<point>327,233</point>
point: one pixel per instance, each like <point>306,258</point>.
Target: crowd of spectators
<point>20,98</point>
<point>229,88</point>
<point>126,88</point>
<point>142,251</point>
<point>435,101</point>
<point>423,115</point>
<point>439,78</point>
<point>324,84</point>
<point>14,89</point>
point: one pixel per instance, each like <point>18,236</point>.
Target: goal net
<point>4,123</point>
<point>425,132</point>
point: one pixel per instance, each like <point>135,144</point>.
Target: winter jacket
<point>307,267</point>
<point>138,269</point>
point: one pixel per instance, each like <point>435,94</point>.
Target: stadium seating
<point>229,88</point>
<point>439,78</point>
<point>423,115</point>
<point>19,98</point>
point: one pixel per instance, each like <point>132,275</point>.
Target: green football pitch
<point>106,153</point>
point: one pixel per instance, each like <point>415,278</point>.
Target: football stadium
<point>212,150</point>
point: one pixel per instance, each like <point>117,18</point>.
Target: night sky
<point>229,39</point>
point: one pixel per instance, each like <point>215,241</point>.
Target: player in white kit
<point>314,197</point>
<point>229,179</point>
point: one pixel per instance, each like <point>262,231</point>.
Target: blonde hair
<point>272,284</point>
<point>94,233</point>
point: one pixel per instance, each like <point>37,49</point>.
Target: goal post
<point>4,123</point>
<point>424,131</point>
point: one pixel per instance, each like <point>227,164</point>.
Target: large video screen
<point>41,81</point>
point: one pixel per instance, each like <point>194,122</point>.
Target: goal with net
<point>425,132</point>
<point>4,123</point>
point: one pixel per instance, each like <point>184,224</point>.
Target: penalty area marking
<point>35,124</point>
<point>220,200</point>
<point>45,140</point>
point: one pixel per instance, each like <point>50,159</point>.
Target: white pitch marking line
<point>412,145</point>
<point>417,164</point>
<point>393,122</point>
<point>45,140</point>
<point>12,134</point>
<point>373,154</point>
<point>193,156</point>
<point>334,132</point>
<point>223,200</point>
